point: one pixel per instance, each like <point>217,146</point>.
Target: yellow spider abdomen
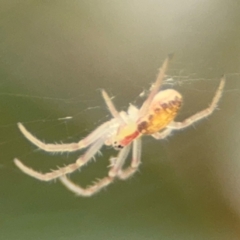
<point>162,111</point>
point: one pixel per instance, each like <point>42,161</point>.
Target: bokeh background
<point>54,58</point>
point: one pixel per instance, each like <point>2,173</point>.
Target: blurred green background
<point>54,58</point>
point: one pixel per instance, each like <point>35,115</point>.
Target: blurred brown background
<point>54,58</point>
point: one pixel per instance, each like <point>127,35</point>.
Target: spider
<point>123,132</point>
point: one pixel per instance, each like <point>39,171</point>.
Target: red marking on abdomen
<point>128,139</point>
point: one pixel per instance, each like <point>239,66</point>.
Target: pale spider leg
<point>82,160</point>
<point>70,147</point>
<point>136,160</point>
<point>119,161</point>
<point>111,107</point>
<point>102,183</point>
<point>202,114</point>
<point>163,134</point>
<point>85,192</point>
<point>145,107</point>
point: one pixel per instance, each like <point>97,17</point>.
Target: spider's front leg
<point>89,191</point>
<point>102,183</point>
<point>82,160</point>
<point>116,171</point>
<point>70,147</point>
<point>123,174</point>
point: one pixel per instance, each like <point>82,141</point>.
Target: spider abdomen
<point>162,111</point>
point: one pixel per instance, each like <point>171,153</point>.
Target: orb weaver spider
<point>122,132</point>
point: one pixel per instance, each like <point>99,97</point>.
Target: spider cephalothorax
<point>125,135</point>
<point>122,132</point>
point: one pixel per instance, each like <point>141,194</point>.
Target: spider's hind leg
<point>156,85</point>
<point>204,113</point>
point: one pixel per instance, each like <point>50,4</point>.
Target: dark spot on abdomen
<point>142,126</point>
